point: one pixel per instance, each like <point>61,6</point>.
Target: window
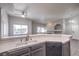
<point>41,30</point>
<point>20,29</point>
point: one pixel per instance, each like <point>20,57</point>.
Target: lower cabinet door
<point>18,51</point>
<point>54,49</point>
<point>38,52</point>
<point>66,49</point>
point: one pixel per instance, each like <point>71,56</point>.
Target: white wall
<point>4,23</point>
<point>72,26</point>
<point>35,25</point>
<point>19,20</point>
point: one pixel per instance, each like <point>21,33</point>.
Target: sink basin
<point>27,42</point>
<point>31,41</point>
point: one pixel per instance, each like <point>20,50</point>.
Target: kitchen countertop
<point>36,40</point>
<point>35,35</point>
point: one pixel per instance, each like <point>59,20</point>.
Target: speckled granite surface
<point>11,43</point>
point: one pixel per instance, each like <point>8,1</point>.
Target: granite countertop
<point>35,35</point>
<point>36,40</point>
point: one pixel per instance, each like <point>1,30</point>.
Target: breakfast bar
<point>39,45</point>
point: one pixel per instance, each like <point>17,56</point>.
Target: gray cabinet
<point>34,50</point>
<point>41,49</point>
<point>53,49</point>
<point>66,49</point>
<point>16,52</point>
<point>57,49</point>
<point>38,50</point>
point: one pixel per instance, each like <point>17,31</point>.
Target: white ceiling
<point>43,11</point>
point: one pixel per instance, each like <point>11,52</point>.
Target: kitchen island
<point>41,45</point>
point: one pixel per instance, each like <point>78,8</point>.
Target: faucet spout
<point>27,38</point>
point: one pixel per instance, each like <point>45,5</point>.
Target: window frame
<point>41,29</point>
<point>20,28</point>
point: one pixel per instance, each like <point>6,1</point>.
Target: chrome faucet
<point>28,38</point>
